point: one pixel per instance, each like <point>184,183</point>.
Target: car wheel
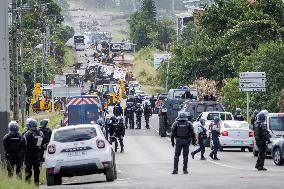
<point>277,157</point>
<point>50,179</point>
<point>110,174</point>
<point>254,152</point>
<point>243,149</point>
<point>58,179</point>
<point>162,127</point>
<point>250,149</point>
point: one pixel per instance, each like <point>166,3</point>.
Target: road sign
<point>253,80</point>
<point>252,89</point>
<point>252,75</point>
<point>158,58</point>
<point>252,85</point>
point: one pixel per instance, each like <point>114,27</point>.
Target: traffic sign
<point>252,80</point>
<point>252,89</point>
<point>252,85</point>
<point>252,75</point>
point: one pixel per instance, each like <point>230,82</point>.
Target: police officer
<point>46,136</point>
<point>34,139</point>
<point>129,115</point>
<point>147,114</point>
<point>14,146</point>
<point>120,132</point>
<point>238,115</point>
<point>200,137</point>
<point>262,137</point>
<point>112,131</point>
<point>137,100</point>
<point>139,113</point>
<point>215,133</point>
<point>117,110</point>
<point>182,131</point>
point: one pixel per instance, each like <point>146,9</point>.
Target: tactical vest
<point>182,129</point>
<point>15,145</point>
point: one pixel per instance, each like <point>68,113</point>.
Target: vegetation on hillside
<point>235,36</point>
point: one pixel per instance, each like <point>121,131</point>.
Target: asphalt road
<point>148,161</point>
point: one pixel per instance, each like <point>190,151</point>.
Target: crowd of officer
<point>27,148</point>
<point>183,135</point>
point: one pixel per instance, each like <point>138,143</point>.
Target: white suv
<point>78,150</point>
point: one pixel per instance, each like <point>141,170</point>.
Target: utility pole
<point>43,57</point>
<point>4,74</point>
<point>15,62</point>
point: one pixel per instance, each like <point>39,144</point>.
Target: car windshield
<point>276,123</point>
<point>72,135</point>
<point>236,125</point>
<point>211,116</point>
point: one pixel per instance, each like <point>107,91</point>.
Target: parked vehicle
<point>78,150</point>
<point>277,151</point>
<point>275,126</point>
<point>208,116</point>
<point>236,134</point>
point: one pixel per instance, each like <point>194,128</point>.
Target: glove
<point>173,144</point>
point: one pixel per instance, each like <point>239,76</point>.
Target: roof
<point>75,127</point>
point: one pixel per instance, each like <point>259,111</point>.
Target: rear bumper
<point>79,167</point>
<point>236,142</point>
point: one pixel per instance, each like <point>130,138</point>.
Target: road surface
<point>148,161</point>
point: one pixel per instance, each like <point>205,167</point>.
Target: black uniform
<point>119,134</point>
<point>147,115</point>
<point>239,117</point>
<point>117,111</point>
<point>34,140</point>
<point>183,132</point>
<point>129,117</point>
<point>138,112</point>
<point>14,146</point>
<point>261,138</point>
<point>46,138</point>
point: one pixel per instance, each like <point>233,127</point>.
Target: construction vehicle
<point>79,43</point>
<point>39,102</point>
<point>82,109</point>
<point>114,93</point>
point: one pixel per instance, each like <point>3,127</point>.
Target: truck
<point>39,101</point>
<point>79,43</point>
<point>82,109</point>
<point>172,105</point>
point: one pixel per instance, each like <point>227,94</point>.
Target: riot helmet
<point>100,122</point>
<point>13,127</point>
<point>202,121</point>
<point>31,123</point>
<point>238,110</point>
<point>182,116</point>
<point>43,123</point>
<point>217,120</point>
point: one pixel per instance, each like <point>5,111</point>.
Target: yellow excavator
<point>38,101</point>
<point>114,93</point>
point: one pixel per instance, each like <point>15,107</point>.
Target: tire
<point>162,127</point>
<point>110,174</point>
<point>277,157</point>
<point>243,149</point>
<point>58,179</point>
<point>50,179</point>
<point>254,152</point>
<point>250,149</point>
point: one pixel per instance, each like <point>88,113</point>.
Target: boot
<point>175,172</point>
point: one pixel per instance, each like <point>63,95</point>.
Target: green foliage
<point>233,33</point>
<point>13,183</point>
<point>146,30</point>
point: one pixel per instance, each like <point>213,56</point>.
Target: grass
<point>118,35</point>
<point>152,90</point>
<point>143,66</point>
<point>68,58</point>
<point>13,183</point>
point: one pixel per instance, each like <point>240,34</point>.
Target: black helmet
<point>31,123</point>
<point>238,110</point>
<point>217,120</point>
<point>261,116</point>
<point>120,119</point>
<point>13,127</point>
<point>113,119</point>
<point>182,116</point>
<point>43,123</point>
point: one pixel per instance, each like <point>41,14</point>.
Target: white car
<point>78,150</point>
<point>236,134</point>
<point>209,119</point>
